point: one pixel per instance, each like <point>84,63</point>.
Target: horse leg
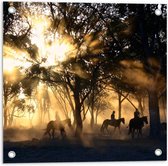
<point>140,132</point>
<point>130,129</point>
<point>137,132</point>
<point>132,133</point>
<point>49,134</point>
<point>63,133</point>
<point>53,133</point>
<point>119,129</point>
<point>102,128</point>
<point>107,130</point>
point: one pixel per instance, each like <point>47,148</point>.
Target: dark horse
<point>57,125</point>
<point>116,124</point>
<point>137,125</point>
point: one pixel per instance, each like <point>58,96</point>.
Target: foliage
<point>109,45</point>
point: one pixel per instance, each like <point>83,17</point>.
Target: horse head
<point>123,120</point>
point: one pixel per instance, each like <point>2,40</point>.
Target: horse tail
<point>102,127</point>
<point>130,128</point>
<point>46,131</point>
<point>48,128</point>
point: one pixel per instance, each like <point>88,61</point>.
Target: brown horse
<point>137,125</point>
<point>116,124</point>
<point>57,125</point>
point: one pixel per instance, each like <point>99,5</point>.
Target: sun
<point>53,47</point>
<point>8,65</point>
<point>62,51</point>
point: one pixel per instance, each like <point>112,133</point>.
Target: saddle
<point>112,121</point>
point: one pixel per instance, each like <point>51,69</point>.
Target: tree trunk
<point>71,104</point>
<point>5,110</point>
<point>153,98</point>
<point>96,116</point>
<point>140,107</point>
<point>40,112</point>
<point>92,109</point>
<point>92,113</point>
<point>78,119</point>
<point>92,118</point>
<point>144,104</point>
<point>119,106</point>
<point>11,117</point>
<point>163,99</point>
<point>5,117</point>
<point>74,122</point>
<point>154,115</point>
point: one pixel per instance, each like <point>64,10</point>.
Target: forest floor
<point>30,146</point>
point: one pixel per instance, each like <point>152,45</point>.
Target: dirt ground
<point>31,146</point>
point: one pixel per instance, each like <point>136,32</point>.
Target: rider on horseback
<point>113,116</point>
<point>136,114</point>
<point>135,120</point>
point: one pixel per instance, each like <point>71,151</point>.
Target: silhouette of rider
<point>113,116</point>
<point>136,114</point>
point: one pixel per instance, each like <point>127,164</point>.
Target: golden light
<point>14,58</point>
<point>21,95</point>
<point>54,47</point>
<point>8,65</point>
<point>39,27</point>
<point>14,63</point>
<point>60,51</point>
<point>10,70</point>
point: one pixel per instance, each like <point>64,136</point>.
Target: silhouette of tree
<point>137,43</point>
<point>115,45</point>
<point>9,91</point>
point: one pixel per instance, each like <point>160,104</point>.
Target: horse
<point>115,123</point>
<point>137,125</point>
<point>57,125</point>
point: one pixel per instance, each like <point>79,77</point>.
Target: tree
<point>9,91</point>
<point>80,82</point>
<point>108,44</point>
<point>147,47</point>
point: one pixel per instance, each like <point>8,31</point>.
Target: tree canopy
<point>85,48</point>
